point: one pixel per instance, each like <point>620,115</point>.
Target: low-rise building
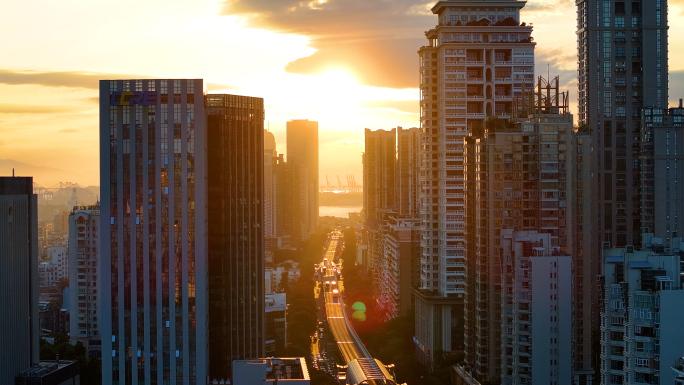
<point>50,373</point>
<point>291,371</point>
<point>276,325</point>
<point>273,278</point>
<point>55,268</point>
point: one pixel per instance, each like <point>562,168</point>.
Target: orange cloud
<point>15,108</point>
<point>377,40</point>
<point>75,79</point>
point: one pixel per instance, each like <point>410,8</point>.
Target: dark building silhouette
<point>19,332</point>
<point>302,155</point>
<point>153,231</point>
<point>235,184</point>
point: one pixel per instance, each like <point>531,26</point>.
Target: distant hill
<point>44,176</point>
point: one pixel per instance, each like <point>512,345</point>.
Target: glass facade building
<point>153,232</point>
<point>235,148</point>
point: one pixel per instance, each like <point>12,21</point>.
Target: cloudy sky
<point>350,64</point>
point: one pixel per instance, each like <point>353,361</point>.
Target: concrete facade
<point>19,347</point>
<point>641,335</point>
<point>302,155</point>
<point>477,60</point>
<point>536,325</point>
<point>84,285</point>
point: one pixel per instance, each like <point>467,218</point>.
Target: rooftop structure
<point>291,371</point>
<point>478,60</point>
<point>50,373</point>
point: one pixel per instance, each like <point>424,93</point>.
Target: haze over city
<point>327,192</point>
<point>348,64</point>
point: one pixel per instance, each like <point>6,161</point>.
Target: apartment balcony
<point>475,96</point>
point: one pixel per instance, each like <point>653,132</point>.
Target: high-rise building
<point>302,155</point>
<point>289,228</point>
<point>520,180</point>
<point>379,194</point>
<point>235,179</point>
<point>270,186</point>
<point>407,171</point>
<point>536,332</point>
<point>523,174</point>
<point>478,59</point>
<point>398,268</point>
<point>379,162</point>
<point>19,331</point>
<point>84,285</point>
<point>55,268</point>
<point>153,231</point>
<point>581,225</point>
<point>662,172</point>
<point>181,229</point>
<point>622,47</point>
<point>641,334</point>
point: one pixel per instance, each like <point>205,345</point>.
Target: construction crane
<point>47,193</point>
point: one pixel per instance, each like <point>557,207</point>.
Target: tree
<point>284,281</point>
<point>90,369</point>
<point>507,22</point>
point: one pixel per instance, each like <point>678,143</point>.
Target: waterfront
<point>338,211</point>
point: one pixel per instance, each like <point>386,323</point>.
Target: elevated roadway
<point>348,341</point>
<point>361,367</point>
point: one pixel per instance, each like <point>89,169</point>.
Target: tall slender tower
<point>407,171</point>
<point>235,148</point>
<point>270,185</point>
<point>84,264</point>
<point>622,67</point>
<point>153,231</point>
<point>478,59</point>
<point>379,162</point>
<point>302,155</point>
<point>20,333</point>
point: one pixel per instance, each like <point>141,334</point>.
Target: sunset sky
<point>349,64</point>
